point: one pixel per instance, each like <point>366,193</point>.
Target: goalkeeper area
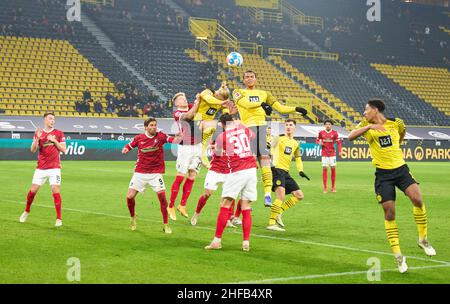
<point>329,238</point>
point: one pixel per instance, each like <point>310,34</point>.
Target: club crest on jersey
<point>253,98</point>
<point>287,150</point>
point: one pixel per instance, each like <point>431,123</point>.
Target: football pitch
<point>330,238</point>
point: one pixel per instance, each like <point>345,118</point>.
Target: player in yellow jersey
<point>211,102</point>
<point>284,147</point>
<point>384,136</point>
<point>253,106</point>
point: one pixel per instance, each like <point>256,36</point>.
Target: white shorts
<point>329,161</point>
<point>243,182</point>
<point>213,179</point>
<point>189,158</point>
<point>140,181</point>
<point>41,176</point>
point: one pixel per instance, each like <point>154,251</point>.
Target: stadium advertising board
<point>413,150</point>
<point>270,4</point>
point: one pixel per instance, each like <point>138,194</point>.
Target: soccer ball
<point>234,59</point>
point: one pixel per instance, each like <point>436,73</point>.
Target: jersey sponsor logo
<point>211,111</point>
<point>253,98</point>
<point>287,150</point>
<point>385,141</point>
<point>47,144</point>
<point>149,149</point>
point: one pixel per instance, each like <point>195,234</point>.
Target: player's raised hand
<point>125,150</point>
<point>38,133</point>
<point>302,174</point>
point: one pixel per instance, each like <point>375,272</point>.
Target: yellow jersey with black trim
<point>269,138</point>
<point>283,150</point>
<point>209,105</point>
<point>249,102</point>
<point>385,145</point>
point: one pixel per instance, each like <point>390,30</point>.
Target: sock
<point>201,203</point>
<point>274,211</point>
<point>333,176</point>
<point>238,209</point>
<point>267,179</point>
<point>175,189</point>
<point>30,198</point>
<point>187,188</point>
<point>57,201</point>
<point>231,213</point>
<point>420,216</point>
<point>222,219</point>
<point>163,204</point>
<point>289,203</point>
<point>324,177</point>
<point>131,203</point>
<point>246,223</point>
<point>392,235</point>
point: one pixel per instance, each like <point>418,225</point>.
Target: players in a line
<point>384,136</point>
<point>253,106</point>
<point>327,139</point>
<point>50,142</point>
<point>149,169</point>
<point>234,145</point>
<point>189,151</point>
<point>284,147</point>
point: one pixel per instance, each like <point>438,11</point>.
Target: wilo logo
<point>74,10</point>
<point>374,13</point>
<point>74,149</point>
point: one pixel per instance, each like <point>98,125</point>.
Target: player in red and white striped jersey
<point>235,145</point>
<point>149,168</point>
<point>50,143</point>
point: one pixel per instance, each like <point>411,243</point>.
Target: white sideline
<point>253,234</point>
<point>327,275</point>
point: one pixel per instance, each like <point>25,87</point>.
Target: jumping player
<point>149,168</point>
<point>50,142</point>
<point>253,106</point>
<point>327,138</point>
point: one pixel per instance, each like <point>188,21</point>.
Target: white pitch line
<point>328,275</point>
<point>253,235</point>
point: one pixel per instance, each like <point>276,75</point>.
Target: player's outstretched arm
<point>358,132</point>
<point>35,142</point>
<point>189,115</point>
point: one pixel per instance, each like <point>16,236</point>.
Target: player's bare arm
<point>189,115</point>
<point>60,146</point>
<point>35,143</point>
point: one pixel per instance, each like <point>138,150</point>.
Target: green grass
<point>328,235</point>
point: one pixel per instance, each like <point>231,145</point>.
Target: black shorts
<point>282,178</point>
<point>387,179</point>
<point>259,144</point>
